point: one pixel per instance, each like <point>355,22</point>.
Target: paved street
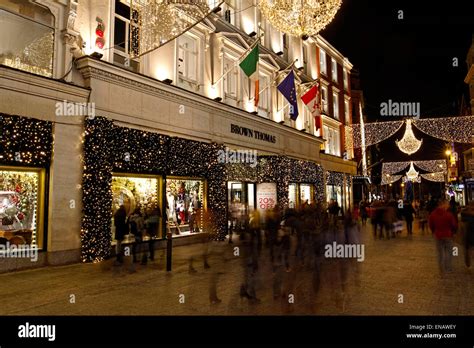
<point>401,266</point>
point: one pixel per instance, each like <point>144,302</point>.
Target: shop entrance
<point>241,199</point>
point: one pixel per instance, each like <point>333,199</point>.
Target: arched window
<point>26,37</point>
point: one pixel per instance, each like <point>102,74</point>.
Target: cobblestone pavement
<point>398,277</point>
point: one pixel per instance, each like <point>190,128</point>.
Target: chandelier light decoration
<point>299,17</point>
<point>157,22</point>
<point>412,174</point>
<point>409,144</point>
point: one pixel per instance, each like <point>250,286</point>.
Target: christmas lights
<point>437,177</point>
<point>393,167</point>
<point>109,148</point>
<point>431,165</point>
<point>154,23</point>
<point>459,129</point>
<point>25,141</point>
<point>409,144</point>
<point>375,132</point>
<point>390,179</point>
<point>299,18</point>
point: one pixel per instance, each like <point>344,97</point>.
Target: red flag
<point>311,99</point>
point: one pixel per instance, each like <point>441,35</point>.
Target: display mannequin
<point>172,207</point>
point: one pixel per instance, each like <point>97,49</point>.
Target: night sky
<point>408,60</point>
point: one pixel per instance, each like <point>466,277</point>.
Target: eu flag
<point>288,89</point>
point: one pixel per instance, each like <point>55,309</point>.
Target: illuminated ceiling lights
<point>157,22</point>
<point>412,174</point>
<point>409,144</point>
<point>299,17</point>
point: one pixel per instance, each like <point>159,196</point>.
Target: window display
<point>185,201</point>
<point>20,201</point>
<point>139,196</point>
<point>306,193</point>
<point>334,192</point>
<point>292,196</point>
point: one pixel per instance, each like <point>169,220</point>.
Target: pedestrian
<point>121,230</point>
<point>408,212</point>
<point>443,226</point>
<point>152,224</point>
<point>454,207</point>
<point>363,212</point>
<point>137,226</point>
<point>423,216</point>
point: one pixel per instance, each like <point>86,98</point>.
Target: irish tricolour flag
<point>250,67</point>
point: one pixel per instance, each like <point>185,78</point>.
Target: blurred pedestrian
<point>408,212</point>
<point>121,230</point>
<point>467,218</point>
<point>443,226</point>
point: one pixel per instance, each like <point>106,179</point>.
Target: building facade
<point>87,128</point>
<point>468,154</point>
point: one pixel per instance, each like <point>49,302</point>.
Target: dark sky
<point>408,60</point>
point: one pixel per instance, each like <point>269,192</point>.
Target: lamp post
<point>448,154</point>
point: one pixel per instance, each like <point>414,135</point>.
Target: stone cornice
<point>91,68</point>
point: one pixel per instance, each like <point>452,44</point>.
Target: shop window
<point>292,196</point>
<point>334,192</point>
<point>27,37</point>
<point>140,196</point>
<point>21,207</point>
<point>306,193</point>
<point>185,200</point>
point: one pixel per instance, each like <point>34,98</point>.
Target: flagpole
<point>252,46</point>
<point>278,75</point>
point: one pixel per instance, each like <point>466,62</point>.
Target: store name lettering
<point>252,133</point>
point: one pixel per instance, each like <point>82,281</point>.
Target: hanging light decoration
<point>412,174</point>
<point>409,144</point>
<point>156,22</point>
<point>299,17</point>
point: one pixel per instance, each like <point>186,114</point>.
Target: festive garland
<point>25,141</point>
<point>109,148</point>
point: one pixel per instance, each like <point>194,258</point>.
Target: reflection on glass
<point>139,195</point>
<point>25,44</point>
<point>19,208</point>
<point>185,199</point>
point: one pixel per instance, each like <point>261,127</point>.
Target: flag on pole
<point>288,89</point>
<point>250,67</point>
<point>311,99</point>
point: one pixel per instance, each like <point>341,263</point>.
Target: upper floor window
<point>264,97</point>
<point>324,98</point>
<point>322,61</point>
<point>230,79</point>
<point>333,139</point>
<point>346,112</point>
<point>346,79</point>
<point>188,51</point>
<point>334,69</point>
<point>335,105</point>
<point>125,21</point>
<point>285,46</point>
<point>26,37</point>
<point>229,10</point>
